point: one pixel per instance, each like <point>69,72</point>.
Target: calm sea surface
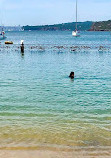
<point>40,106</point>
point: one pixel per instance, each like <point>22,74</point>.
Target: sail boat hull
<point>2,35</point>
<point>75,34</point>
<point>2,38</point>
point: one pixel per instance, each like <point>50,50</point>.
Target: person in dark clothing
<point>71,75</point>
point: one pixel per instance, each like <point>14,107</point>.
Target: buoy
<point>8,42</point>
<point>22,42</point>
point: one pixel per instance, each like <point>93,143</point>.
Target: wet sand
<point>84,153</point>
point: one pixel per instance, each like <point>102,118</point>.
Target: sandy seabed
<point>84,153</point>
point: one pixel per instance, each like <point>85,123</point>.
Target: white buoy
<point>22,42</point>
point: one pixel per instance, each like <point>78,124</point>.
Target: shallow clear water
<point>40,105</point>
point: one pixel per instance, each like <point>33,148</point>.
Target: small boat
<point>2,35</point>
<point>8,42</point>
<point>76,33</point>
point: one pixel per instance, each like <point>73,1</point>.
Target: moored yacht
<point>76,33</point>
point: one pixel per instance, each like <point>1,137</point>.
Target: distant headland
<point>101,26</point>
<point>82,26</point>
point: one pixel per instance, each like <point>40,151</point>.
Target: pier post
<point>22,46</point>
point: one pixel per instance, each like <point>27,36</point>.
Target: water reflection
<point>22,54</point>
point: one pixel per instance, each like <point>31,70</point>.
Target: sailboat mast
<point>75,33</point>
<point>76,15</point>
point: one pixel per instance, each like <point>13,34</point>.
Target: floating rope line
<point>57,47</point>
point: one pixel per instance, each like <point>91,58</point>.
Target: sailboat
<point>75,33</point>
<point>2,35</point>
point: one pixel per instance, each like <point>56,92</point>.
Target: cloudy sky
<point>39,12</point>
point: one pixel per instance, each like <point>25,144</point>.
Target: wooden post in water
<point>22,46</point>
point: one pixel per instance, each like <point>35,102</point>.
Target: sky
<point>41,12</point>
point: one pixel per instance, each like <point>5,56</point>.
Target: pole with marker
<point>22,46</point>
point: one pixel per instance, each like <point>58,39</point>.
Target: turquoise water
<point>41,107</point>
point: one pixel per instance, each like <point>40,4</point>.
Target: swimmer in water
<point>71,75</point>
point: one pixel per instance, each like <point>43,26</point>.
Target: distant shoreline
<point>82,26</point>
<point>70,26</point>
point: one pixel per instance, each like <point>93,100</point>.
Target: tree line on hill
<point>82,26</point>
<point>101,26</point>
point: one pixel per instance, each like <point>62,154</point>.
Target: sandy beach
<point>84,153</point>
